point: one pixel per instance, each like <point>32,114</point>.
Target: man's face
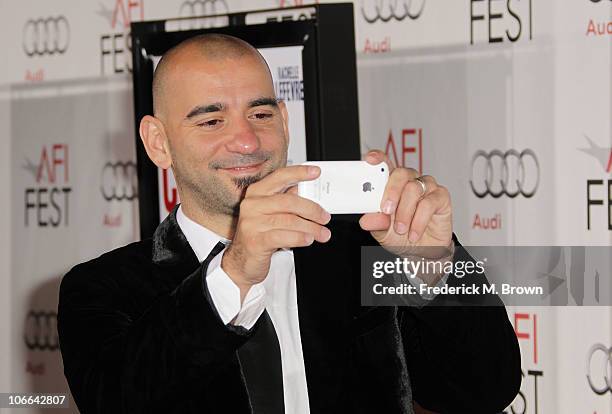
<point>225,128</point>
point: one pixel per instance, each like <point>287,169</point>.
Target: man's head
<point>217,121</point>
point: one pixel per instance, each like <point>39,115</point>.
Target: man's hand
<point>272,218</point>
<point>410,218</point>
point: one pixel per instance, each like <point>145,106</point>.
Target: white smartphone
<point>347,187</point>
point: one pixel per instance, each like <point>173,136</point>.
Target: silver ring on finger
<point>423,186</point>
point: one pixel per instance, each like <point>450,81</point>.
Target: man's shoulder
<point>135,256</point>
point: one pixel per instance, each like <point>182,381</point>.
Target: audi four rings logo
<point>386,10</point>
<point>46,36</point>
<point>600,383</point>
<point>119,181</point>
<point>195,8</point>
<point>509,173</point>
<point>41,331</point>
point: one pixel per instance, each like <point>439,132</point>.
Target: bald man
<point>246,299</point>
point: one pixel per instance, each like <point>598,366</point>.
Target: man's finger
<point>431,184</point>
<point>279,239</point>
<point>394,188</point>
<point>288,203</point>
<point>283,178</point>
<point>377,156</point>
<point>375,222</point>
<point>411,194</point>
<point>425,209</point>
<point>296,223</point>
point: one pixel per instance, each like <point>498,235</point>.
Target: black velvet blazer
<point>138,334</point>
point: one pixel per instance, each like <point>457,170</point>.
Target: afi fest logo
<point>46,202</point>
<point>595,203</point>
<point>526,331</point>
<point>599,27</point>
<point>405,149</point>
<point>493,21</point>
<point>116,46</point>
<point>384,11</point>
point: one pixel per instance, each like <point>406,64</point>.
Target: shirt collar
<point>201,239</point>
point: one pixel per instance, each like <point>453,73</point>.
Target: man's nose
<point>244,140</point>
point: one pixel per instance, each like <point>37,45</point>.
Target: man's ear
<point>155,141</point>
<point>283,108</point>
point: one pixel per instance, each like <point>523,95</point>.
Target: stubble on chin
<point>224,197</point>
<point>218,195</point>
<point>242,183</point>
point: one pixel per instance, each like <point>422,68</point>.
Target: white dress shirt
<point>277,293</point>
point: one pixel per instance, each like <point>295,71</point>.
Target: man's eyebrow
<point>263,101</point>
<point>204,109</point>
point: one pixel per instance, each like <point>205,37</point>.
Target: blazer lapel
<point>173,261</point>
<point>171,251</point>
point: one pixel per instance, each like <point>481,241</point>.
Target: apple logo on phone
<point>367,186</point>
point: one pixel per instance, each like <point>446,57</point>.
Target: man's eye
<point>262,115</point>
<point>210,123</point>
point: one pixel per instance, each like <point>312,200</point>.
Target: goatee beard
<point>243,182</point>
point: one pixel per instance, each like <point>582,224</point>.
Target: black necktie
<point>215,251</point>
<point>260,360</point>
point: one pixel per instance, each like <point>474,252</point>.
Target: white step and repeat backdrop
<point>507,102</point>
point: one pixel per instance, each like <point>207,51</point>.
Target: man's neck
<point>221,224</point>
